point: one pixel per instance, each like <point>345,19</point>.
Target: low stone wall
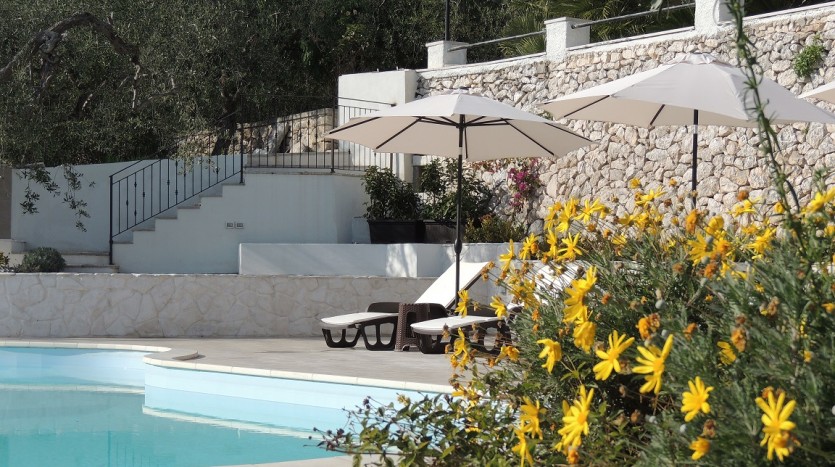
<point>154,305</point>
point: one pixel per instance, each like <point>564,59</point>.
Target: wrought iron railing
<point>145,189</point>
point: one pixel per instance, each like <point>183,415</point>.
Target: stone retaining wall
<point>728,158</point>
<point>150,305</point>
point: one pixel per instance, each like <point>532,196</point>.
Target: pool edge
<point>183,359</point>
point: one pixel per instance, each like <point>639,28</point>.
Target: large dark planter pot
<point>391,231</point>
<point>439,232</point>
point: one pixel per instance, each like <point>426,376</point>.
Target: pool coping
<point>169,357</point>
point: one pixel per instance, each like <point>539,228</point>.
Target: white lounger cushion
<point>352,319</point>
<point>441,291</point>
<point>435,327</point>
<point>545,281</point>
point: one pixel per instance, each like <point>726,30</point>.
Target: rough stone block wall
<point>196,305</point>
<point>729,160</point>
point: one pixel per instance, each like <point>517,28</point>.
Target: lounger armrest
<point>383,307</point>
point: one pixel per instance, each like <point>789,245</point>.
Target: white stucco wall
<point>54,223</point>
<point>386,260</point>
<point>291,207</point>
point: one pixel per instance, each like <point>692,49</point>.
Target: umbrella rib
<point>655,117</point>
<point>534,141</point>
<point>349,125</point>
<point>568,115</point>
<point>402,130</point>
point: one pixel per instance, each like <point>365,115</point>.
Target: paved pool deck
<point>309,358</point>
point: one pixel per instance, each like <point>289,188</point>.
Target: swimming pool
<point>89,407</point>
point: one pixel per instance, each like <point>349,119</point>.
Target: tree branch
<point>46,41</point>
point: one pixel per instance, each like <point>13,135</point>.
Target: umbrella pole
<point>695,155</point>
<point>458,210</point>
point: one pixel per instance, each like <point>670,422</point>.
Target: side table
<point>408,313</point>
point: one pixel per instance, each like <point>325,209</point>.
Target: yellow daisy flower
<point>551,351</point>
<point>652,365</point>
<point>617,345</point>
<point>463,301</point>
<point>695,400</point>
<point>700,447</point>
<point>576,420</point>
<point>522,449</point>
<point>529,418</point>
<point>776,424</point>
<point>819,201</point>
<point>498,305</point>
<point>529,247</point>
<point>726,353</point>
<point>570,251</point>
<point>584,335</point>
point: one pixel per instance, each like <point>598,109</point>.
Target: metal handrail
<point>294,141</point>
<point>632,15</point>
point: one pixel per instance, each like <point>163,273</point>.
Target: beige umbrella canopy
<point>460,125</point>
<point>824,93</point>
<point>695,89</point>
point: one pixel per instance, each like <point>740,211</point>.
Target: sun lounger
<point>481,320</point>
<point>375,322</point>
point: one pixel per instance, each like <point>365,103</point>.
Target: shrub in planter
<point>439,183</point>
<point>42,259</point>
<point>388,196</point>
<point>493,229</point>
<point>392,209</point>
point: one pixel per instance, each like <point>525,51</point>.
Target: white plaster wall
<point>374,91</point>
<point>129,305</point>
<point>393,260</point>
<point>54,223</point>
<point>387,260</point>
<point>300,207</point>
<point>377,90</point>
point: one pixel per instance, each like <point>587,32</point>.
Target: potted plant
<point>439,183</point>
<point>392,210</point>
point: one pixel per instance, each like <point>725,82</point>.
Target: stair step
<point>9,246</point>
<point>85,258</point>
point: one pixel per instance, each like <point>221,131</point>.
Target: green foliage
<point>42,259</point>
<point>389,197</point>
<point>809,59</point>
<point>493,229</point>
<point>439,180</point>
<point>201,65</point>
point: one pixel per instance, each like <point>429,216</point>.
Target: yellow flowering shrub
<point>660,343</point>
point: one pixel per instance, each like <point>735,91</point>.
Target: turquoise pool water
<point>83,408</point>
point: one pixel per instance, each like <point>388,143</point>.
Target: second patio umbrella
<point>695,89</point>
<point>824,93</point>
<point>460,125</point>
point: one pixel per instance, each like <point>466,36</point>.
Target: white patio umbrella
<point>825,92</point>
<point>462,125</point>
<point>695,89</point>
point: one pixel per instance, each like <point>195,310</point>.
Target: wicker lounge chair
<point>370,324</point>
<point>481,320</point>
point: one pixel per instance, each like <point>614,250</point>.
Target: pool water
<point>74,408</point>
<point>57,428</point>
